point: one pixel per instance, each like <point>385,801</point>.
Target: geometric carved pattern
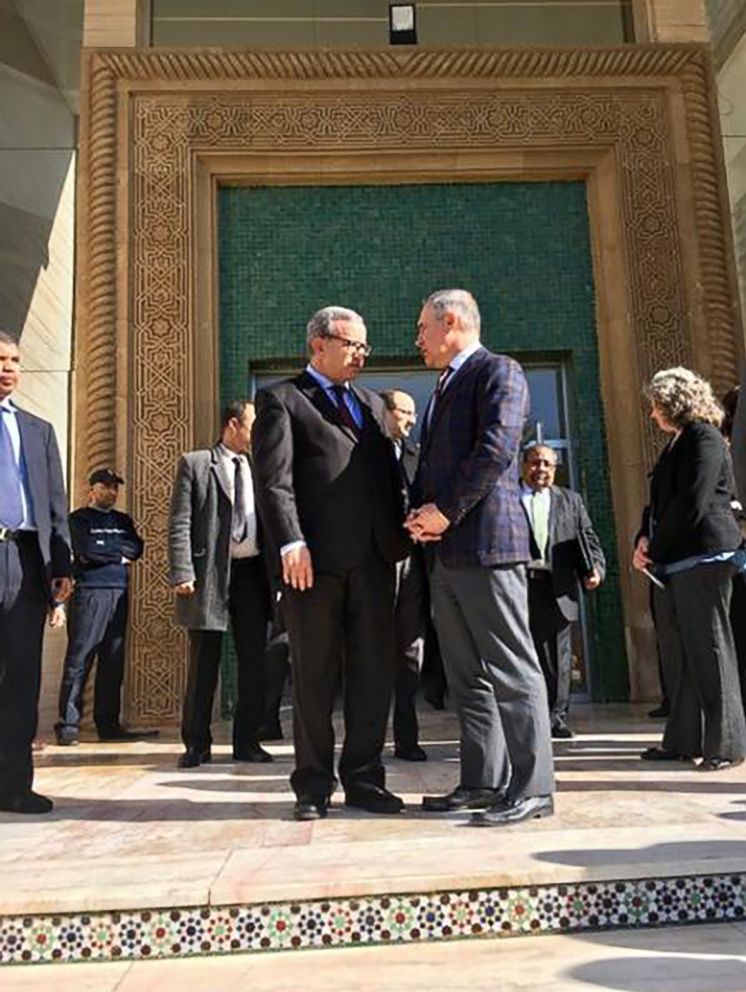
<point>261,102</point>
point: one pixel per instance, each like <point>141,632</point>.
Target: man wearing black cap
<point>104,543</point>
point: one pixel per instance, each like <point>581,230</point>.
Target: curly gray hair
<point>321,324</point>
<point>684,397</point>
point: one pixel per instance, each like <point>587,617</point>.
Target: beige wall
<point>732,104</point>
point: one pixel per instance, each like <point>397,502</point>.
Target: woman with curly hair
<point>689,539</point>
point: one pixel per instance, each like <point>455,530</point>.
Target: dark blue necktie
<point>11,505</point>
<point>345,414</point>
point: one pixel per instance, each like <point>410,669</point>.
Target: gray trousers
<point>698,654</point>
<point>481,615</point>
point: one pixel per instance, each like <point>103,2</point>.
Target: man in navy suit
<point>471,517</point>
<point>34,573</point>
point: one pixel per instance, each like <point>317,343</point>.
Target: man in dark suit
<point>471,512</point>
<point>411,591</point>
<point>218,573</point>
<point>564,551</point>
<point>34,573</point>
<point>331,498</point>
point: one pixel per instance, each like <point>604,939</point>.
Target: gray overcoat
<point>199,536</point>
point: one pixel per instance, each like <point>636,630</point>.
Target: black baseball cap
<point>107,476</point>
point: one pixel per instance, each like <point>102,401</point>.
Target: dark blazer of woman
<point>691,491</point>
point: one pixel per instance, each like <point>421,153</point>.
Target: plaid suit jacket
<point>469,463</point>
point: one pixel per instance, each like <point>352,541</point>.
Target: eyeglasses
<point>357,346</point>
<point>406,413</point>
<point>542,462</point>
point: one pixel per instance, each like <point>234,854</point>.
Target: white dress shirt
<point>248,547</point>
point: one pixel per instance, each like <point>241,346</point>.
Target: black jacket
<point>316,482</point>
<point>100,540</point>
<point>573,549</point>
<point>690,495</point>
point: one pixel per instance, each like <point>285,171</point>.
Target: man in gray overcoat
<point>218,574</point>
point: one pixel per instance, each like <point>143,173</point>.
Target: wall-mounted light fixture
<point>402,24</point>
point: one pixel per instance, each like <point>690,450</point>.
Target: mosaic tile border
<point>502,912</point>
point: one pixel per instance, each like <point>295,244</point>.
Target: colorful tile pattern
<point>372,920</point>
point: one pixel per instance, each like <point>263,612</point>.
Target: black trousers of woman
<point>699,659</point>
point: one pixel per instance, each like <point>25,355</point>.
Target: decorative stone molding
<point>636,121</point>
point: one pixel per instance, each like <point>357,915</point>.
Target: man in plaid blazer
<point>471,518</point>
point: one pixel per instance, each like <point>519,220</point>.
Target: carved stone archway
<point>160,130</point>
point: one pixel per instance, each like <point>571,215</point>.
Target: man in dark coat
<point>34,574</point>
<point>218,573</point>
<point>564,552</point>
<point>331,498</point>
<point>469,508</point>
<point>412,602</point>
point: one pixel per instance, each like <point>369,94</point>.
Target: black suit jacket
<point>44,471</point>
<point>573,549</point>
<point>410,456</point>
<point>690,498</point>
<point>316,482</point>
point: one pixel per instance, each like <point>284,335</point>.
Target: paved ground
<point>686,959</point>
<point>130,831</point>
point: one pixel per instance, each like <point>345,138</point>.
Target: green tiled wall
<point>521,248</point>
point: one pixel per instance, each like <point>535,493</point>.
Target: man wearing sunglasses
<point>331,499</point>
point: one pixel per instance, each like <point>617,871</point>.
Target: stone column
<point>116,23</point>
<point>670,20</point>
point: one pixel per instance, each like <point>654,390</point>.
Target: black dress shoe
<point>66,738</point>
<point>28,802</point>
<point>193,757</point>
<point>110,734</point>
<point>436,699</point>
<point>659,713</point>
<point>461,798</point>
<point>413,753</point>
<point>560,731</point>
<point>307,808</point>
<point>661,754</point>
<point>504,813</point>
<point>254,754</point>
<point>718,764</point>
<point>374,799</point>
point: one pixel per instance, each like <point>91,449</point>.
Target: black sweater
<point>100,540</point>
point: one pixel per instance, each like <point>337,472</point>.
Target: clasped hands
<point>426,523</point>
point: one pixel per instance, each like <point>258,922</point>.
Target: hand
<point>57,616</point>
<point>184,588</point>
<point>297,568</point>
<point>592,581</point>
<point>640,559</point>
<point>61,589</point>
<point>426,523</point>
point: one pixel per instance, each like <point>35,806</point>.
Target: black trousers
<point>23,608</point>
<point>551,633</point>
<point>738,624</point>
<point>342,628</point>
<point>696,645</point>
<point>97,625</point>
<point>410,622</point>
<point>248,606</point>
